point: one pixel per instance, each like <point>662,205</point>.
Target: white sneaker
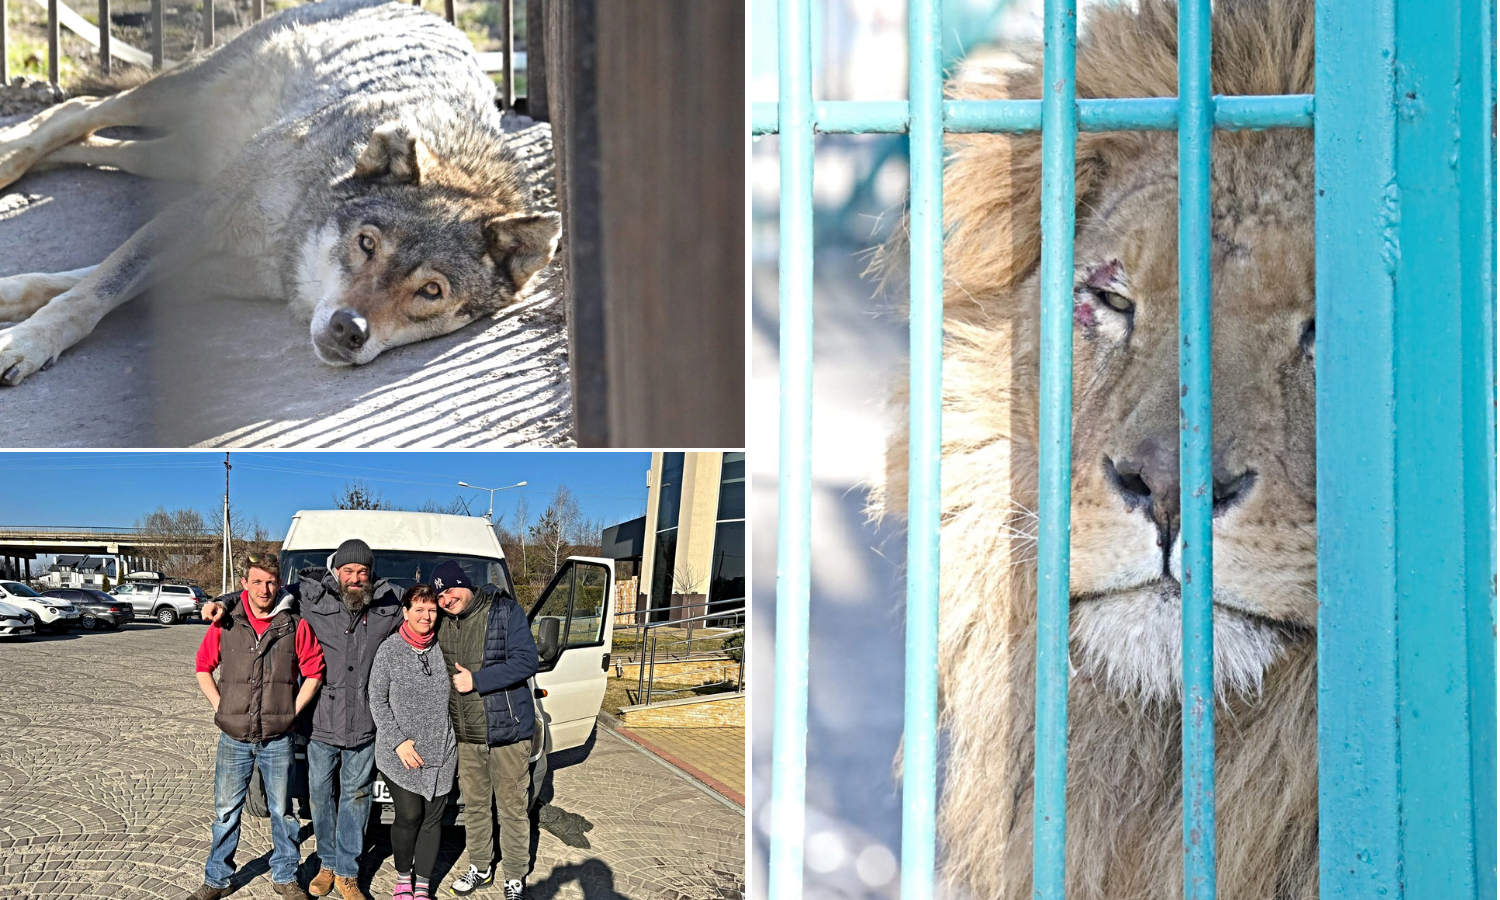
<point>472,880</point>
<point>513,889</point>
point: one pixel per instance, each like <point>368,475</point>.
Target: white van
<point>571,619</point>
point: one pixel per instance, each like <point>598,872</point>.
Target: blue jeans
<point>236,760</point>
<point>340,827</point>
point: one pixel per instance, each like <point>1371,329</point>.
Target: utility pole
<point>228,548</point>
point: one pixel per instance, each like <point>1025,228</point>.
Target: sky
<point>116,489</point>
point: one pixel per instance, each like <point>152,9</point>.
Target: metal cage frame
<point>1405,257</point>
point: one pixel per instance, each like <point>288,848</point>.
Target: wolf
<point>345,156</point>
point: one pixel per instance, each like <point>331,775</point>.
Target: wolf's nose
<point>349,328</point>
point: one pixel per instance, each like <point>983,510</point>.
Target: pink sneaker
<point>403,891</point>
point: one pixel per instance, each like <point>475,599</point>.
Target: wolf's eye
<point>367,243</point>
<point>1308,338</point>
<point>1120,304</point>
<point>431,290</point>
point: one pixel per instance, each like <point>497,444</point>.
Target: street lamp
<point>491,514</point>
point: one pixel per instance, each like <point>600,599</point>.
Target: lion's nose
<point>349,328</point>
<point>1150,477</point>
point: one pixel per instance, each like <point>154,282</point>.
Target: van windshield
<point>405,568</point>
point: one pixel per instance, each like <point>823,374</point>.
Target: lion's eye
<point>367,243</point>
<point>431,290</point>
<point>1118,303</point>
<point>1308,339</point>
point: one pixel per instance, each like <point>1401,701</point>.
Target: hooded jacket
<point>493,641</point>
<point>341,711</point>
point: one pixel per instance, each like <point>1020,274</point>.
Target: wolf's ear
<point>394,154</point>
<point>523,243</point>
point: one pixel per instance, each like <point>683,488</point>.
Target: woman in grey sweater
<point>415,748</point>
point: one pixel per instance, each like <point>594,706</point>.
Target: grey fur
<point>318,130</point>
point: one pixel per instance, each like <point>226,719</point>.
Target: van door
<point>574,609</point>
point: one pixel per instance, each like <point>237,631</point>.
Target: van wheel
<point>166,615</point>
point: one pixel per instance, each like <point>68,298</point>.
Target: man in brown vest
<point>261,651</point>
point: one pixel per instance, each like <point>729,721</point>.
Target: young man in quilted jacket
<point>270,666</point>
<point>491,655</point>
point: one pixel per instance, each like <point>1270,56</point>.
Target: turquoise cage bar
<point>1406,430</point>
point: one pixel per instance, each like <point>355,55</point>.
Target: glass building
<point>692,541</point>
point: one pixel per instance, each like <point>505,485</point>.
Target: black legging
<point>417,831</point>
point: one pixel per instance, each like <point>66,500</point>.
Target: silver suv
<point>166,603</point>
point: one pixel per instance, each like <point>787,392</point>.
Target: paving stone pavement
<point>717,752</point>
<point>106,760</point>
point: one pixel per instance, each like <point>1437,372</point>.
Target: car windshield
<point>405,568</point>
<point>20,590</point>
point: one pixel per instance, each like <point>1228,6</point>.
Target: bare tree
<point>177,538</point>
<point>358,495</point>
<point>521,566</point>
<point>458,506</point>
<point>556,526</point>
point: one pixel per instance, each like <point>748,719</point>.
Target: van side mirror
<point>549,634</point>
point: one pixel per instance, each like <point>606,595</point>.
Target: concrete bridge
<point>134,548</point>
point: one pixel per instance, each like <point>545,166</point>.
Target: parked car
<point>98,609</point>
<point>153,596</point>
<point>52,612</point>
<point>15,621</point>
<point>570,620</point>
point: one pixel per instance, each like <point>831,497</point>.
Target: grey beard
<point>355,599</point>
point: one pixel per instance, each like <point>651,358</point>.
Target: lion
<point>1124,811</point>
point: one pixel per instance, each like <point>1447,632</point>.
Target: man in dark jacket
<point>351,614</point>
<point>491,656</point>
<point>262,651</point>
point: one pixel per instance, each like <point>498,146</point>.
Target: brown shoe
<point>207,892</point>
<point>291,890</point>
<point>349,888</point>
<point>322,884</point>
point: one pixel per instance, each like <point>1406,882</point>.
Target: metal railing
<point>58,15</point>
<point>1376,269</point>
<point>645,661</point>
<point>648,646</point>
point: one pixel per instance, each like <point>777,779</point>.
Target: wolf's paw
<point>22,295</point>
<point>22,354</point>
<point>15,158</point>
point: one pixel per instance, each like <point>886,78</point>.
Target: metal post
<point>788,822</point>
<point>508,37</point>
<point>651,680</point>
<point>449,12</point>
<point>924,503</point>
<point>208,23</point>
<point>258,10</point>
<point>4,43</point>
<point>156,45</point>
<point>1195,442</point>
<point>1059,136</point>
<point>54,49</point>
<point>104,36</point>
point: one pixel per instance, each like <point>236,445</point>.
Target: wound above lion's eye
<point>1083,310</point>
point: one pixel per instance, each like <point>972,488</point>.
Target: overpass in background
<point>135,548</point>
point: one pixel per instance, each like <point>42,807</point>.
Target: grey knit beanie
<point>353,550</point>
